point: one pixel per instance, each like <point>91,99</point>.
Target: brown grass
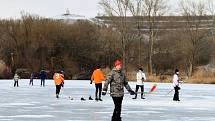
<point>203,77</point>
<point>199,77</point>
<point>164,79</point>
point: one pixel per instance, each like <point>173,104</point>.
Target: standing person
<point>117,81</point>
<point>59,81</point>
<point>16,79</point>
<point>91,90</point>
<point>42,77</point>
<point>176,85</point>
<point>31,79</point>
<point>141,77</point>
<point>98,77</point>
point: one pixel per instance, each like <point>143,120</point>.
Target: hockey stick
<point>180,82</point>
<point>169,92</point>
<point>151,90</point>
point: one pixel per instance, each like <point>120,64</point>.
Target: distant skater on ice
<point>32,79</point>
<point>16,80</point>
<point>43,77</point>
<point>176,85</point>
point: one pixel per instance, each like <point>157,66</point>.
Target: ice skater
<point>43,77</point>
<point>117,81</point>
<point>31,79</point>
<point>59,81</point>
<point>16,80</point>
<point>98,77</point>
<point>141,77</point>
<point>176,85</point>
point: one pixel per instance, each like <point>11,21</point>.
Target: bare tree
<point>211,10</point>
<point>149,10</point>
<point>194,41</point>
<point>118,11</point>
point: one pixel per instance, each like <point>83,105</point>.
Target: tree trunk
<point>123,54</point>
<point>150,54</point>
<point>190,71</point>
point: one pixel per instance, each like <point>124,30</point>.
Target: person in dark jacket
<point>117,81</point>
<point>43,77</point>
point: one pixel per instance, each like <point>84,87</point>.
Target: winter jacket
<point>97,76</point>
<point>32,76</point>
<point>175,80</point>
<point>58,78</point>
<point>16,77</point>
<point>43,75</point>
<point>140,78</point>
<point>117,81</point>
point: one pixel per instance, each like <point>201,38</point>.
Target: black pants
<point>58,87</point>
<point>31,82</point>
<point>16,83</point>
<point>98,89</point>
<point>43,82</point>
<point>176,95</point>
<point>118,107</point>
<point>142,90</point>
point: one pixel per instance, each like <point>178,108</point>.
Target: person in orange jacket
<point>59,81</point>
<point>98,77</point>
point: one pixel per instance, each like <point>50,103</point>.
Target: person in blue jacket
<point>42,77</point>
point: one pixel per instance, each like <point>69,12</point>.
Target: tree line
<point>36,43</point>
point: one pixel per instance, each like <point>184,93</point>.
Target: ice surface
<point>35,103</point>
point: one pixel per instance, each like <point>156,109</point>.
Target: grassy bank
<point>199,77</point>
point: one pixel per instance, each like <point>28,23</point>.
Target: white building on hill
<point>70,18</point>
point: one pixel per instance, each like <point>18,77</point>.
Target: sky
<point>52,8</point>
<point>48,8</point>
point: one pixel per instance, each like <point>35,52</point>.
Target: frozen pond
<point>35,103</point>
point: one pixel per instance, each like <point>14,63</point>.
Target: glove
<point>62,84</point>
<point>178,87</point>
<point>132,92</point>
<point>91,81</point>
<point>104,93</point>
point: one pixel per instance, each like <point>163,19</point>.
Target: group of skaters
<point>117,81</point>
<point>31,82</point>
<point>98,76</point>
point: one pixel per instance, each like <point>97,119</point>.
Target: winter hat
<point>176,70</point>
<point>141,69</point>
<point>117,62</point>
<point>61,71</point>
<point>98,66</point>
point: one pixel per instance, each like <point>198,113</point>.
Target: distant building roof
<point>70,18</point>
